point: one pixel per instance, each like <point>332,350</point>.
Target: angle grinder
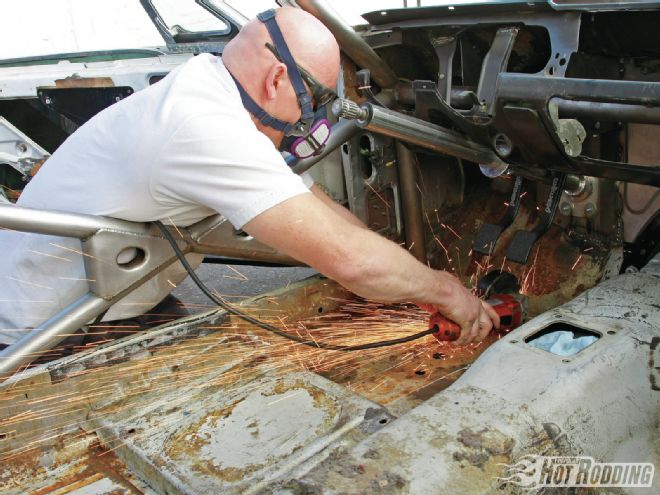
<point>502,291</point>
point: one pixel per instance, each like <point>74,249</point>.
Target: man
<point>186,148</point>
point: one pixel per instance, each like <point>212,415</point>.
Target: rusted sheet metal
<point>402,380</point>
<point>517,400</point>
<point>37,407</point>
<point>78,466</point>
<point>84,82</point>
<point>227,409</point>
<point>235,439</point>
<point>560,266</point>
<point>213,400</point>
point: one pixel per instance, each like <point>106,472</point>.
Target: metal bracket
<point>486,238</point>
<point>496,61</point>
<point>428,97</point>
<point>571,132</point>
<point>445,47</point>
<point>563,29</point>
<point>144,255</point>
<point>18,150</point>
<point>437,96</point>
<point>364,87</point>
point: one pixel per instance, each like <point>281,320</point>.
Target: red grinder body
<point>511,309</point>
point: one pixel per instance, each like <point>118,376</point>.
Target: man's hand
<point>475,317</point>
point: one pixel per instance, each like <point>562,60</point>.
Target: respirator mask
<point>307,136</point>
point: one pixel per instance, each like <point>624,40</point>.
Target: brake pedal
<point>486,238</point>
<point>523,241</point>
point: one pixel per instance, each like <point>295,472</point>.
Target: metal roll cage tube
<point>102,240</point>
<point>416,131</point>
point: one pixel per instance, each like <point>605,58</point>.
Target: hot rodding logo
<point>536,471</point>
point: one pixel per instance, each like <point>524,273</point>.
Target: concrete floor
<point>236,282</point>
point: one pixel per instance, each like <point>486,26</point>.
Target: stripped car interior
<point>517,138</point>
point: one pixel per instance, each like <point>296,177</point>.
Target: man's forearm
<point>320,234</point>
<point>343,212</point>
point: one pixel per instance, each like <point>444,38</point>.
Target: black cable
<point>250,319</point>
<point>643,209</point>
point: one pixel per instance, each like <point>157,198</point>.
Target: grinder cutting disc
<point>497,282</point>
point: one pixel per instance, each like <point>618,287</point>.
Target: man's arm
<point>345,213</point>
<point>306,228</point>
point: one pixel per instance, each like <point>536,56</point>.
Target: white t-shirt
<point>178,151</point>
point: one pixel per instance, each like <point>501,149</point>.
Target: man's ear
<point>274,79</point>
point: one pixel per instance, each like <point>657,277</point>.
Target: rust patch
<point>350,79</point>
<point>482,445</point>
<point>479,459</point>
<point>84,82</point>
<point>370,474</point>
<point>320,398</point>
<point>492,441</point>
<point>25,472</point>
<point>188,442</point>
<point>401,380</point>
<point>560,266</point>
<point>388,483</point>
<point>20,470</point>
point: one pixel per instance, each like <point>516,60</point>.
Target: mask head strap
<point>264,117</point>
<point>304,98</point>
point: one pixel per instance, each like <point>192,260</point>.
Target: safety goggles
<point>321,94</point>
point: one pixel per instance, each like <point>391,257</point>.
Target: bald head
<point>313,47</point>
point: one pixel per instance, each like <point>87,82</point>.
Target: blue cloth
<point>563,342</point>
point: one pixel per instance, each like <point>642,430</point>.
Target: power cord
<point>250,319</point>
<point>643,209</point>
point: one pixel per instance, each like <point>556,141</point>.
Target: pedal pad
<point>524,240</point>
<point>521,246</point>
<point>484,241</point>
<point>486,238</point>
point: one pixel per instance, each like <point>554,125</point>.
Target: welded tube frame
<point>412,203</point>
<point>51,332</point>
<point>91,305</point>
<point>60,223</point>
<point>55,329</point>
<point>430,136</point>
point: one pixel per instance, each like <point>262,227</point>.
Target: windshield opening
<point>187,16</point>
<point>45,27</point>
